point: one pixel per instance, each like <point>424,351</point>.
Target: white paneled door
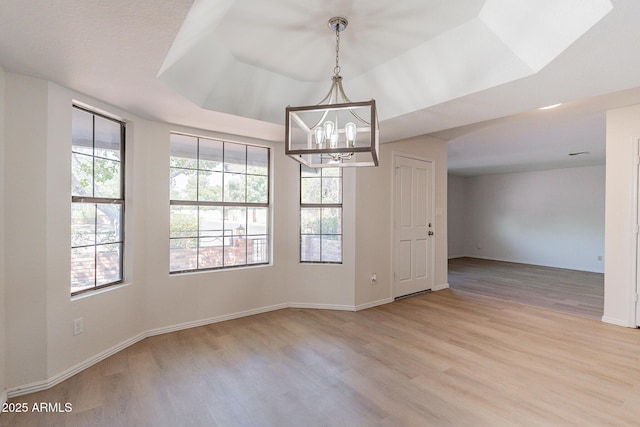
<point>413,226</point>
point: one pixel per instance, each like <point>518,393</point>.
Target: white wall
<point>3,380</point>
<point>374,218</point>
<point>553,218</point>
<point>25,229</point>
<point>456,215</point>
<point>623,130</point>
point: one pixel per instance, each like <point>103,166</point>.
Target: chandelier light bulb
<point>350,130</point>
<point>334,140</point>
<point>329,129</point>
<point>319,134</point>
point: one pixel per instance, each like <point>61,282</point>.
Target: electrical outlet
<point>373,279</point>
<point>78,326</point>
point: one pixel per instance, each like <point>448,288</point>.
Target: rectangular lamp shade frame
<point>300,143</point>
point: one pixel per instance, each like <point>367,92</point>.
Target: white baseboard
<point>617,322</point>
<point>215,319</point>
<point>373,304</point>
<point>513,261</point>
<point>322,306</point>
<point>440,287</point>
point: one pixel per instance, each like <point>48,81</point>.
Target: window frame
<point>321,205</point>
<point>121,201</point>
<point>223,204</point>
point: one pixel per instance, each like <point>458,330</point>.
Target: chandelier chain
<point>336,70</point>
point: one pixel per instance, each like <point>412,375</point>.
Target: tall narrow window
<point>97,201</point>
<point>320,215</point>
<point>219,207</point>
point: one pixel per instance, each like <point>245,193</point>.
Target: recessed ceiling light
<point>579,153</point>
<point>549,107</point>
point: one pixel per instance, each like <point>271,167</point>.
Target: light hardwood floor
<point>447,358</point>
<point>570,291</point>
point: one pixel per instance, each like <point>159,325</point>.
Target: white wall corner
<point>3,398</point>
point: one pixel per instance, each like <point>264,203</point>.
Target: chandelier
<point>336,132</point>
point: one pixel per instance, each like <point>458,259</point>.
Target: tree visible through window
<point>320,214</point>
<point>219,208</point>
<point>97,201</point>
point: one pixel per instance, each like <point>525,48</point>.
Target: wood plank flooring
<point>570,291</point>
<point>446,358</point>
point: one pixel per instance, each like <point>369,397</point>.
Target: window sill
<point>90,294</point>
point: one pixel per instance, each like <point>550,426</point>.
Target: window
<point>321,215</point>
<point>219,208</point>
<point>97,200</point>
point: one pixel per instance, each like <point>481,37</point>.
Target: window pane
<point>257,160</point>
<point>212,223</point>
<point>107,138</point>
<point>183,184</point>
<point>331,190</point>
<point>331,249</point>
<point>107,178</point>
<point>236,253</point>
<point>108,263</point>
<point>257,249</point>
<point>331,221</point>
<point>210,253</point>
<point>257,189</point>
<point>183,254</point>
<point>235,157</point>
<point>210,154</point>
<point>235,187</point>
<point>309,248</point>
<point>109,218</point>
<point>184,151</point>
<point>82,268</point>
<point>82,131</point>
<point>235,221</point>
<point>81,175</point>
<point>83,224</point>
<point>209,186</point>
<point>310,220</point>
<point>310,190</point>
<point>257,221</point>
<point>183,221</point>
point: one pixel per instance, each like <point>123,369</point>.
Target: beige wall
<point>374,218</point>
<point>25,229</point>
<point>623,130</point>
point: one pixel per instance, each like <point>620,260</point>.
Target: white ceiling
<point>471,72</point>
